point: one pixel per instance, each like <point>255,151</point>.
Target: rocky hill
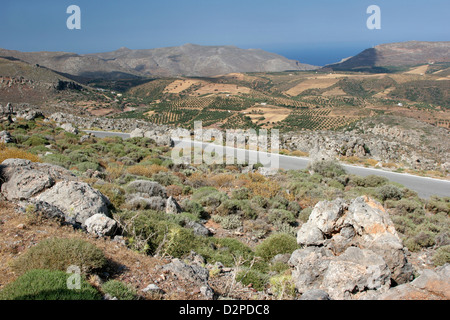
<point>398,54</point>
<point>189,60</point>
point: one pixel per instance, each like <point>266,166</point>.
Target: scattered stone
<point>315,294</point>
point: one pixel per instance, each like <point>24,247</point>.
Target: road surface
<point>424,186</point>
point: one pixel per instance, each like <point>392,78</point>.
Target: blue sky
<point>313,31</point>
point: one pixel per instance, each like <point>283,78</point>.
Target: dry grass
<point>13,153</point>
<point>145,171</point>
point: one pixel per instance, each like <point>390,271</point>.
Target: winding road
<point>424,186</point>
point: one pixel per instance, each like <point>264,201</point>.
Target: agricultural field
<point>292,101</point>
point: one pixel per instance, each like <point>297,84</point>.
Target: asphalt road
<point>424,186</point>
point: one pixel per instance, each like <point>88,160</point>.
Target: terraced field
<point>297,100</point>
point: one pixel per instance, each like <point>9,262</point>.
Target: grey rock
<point>198,228</point>
<point>101,225</point>
<point>147,188</point>
<point>153,288</point>
<point>6,137</point>
<point>78,200</point>
<point>172,206</point>
<point>193,273</point>
<point>69,128</point>
<point>315,294</point>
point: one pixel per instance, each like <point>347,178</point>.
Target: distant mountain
<point>187,60</point>
<point>397,54</point>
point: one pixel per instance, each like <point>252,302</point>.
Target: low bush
<point>47,285</point>
<point>389,191</point>
<point>442,256</point>
<point>279,243</point>
<point>328,168</point>
<point>249,277</point>
<point>59,254</point>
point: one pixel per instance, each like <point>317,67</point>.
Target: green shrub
<point>226,250</point>
<point>58,159</point>
<point>304,215</point>
<point>256,279</point>
<point>283,287</point>
<point>442,256</point>
<point>280,215</point>
<point>193,207</point>
<point>119,290</point>
<point>370,181</point>
<point>47,285</point>
<point>59,254</point>
<point>389,191</point>
<point>35,141</point>
<point>149,231</point>
<point>241,194</point>
<point>328,168</point>
<point>228,222</point>
<point>85,166</point>
<point>279,243</point>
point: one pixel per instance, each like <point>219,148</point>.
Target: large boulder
<point>363,223</point>
<point>52,190</point>
<point>349,249</point>
<point>23,179</point>
<point>78,200</point>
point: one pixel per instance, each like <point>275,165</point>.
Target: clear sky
<point>312,31</point>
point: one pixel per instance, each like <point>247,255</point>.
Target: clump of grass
<point>119,290</point>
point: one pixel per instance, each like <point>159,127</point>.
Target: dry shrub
<point>2,146</point>
<point>222,180</point>
<point>14,153</point>
<point>146,171</point>
<point>389,165</point>
<point>113,173</point>
<point>298,153</point>
<point>197,180</point>
<point>371,162</point>
<point>174,191</point>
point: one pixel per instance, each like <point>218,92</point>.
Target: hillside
<point>21,82</point>
<point>397,54</point>
<point>188,60</point>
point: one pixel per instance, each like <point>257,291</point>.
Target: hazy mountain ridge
<point>188,60</point>
<point>398,54</point>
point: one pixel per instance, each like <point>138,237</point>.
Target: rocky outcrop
<point>400,140</point>
<point>52,190</point>
<point>350,250</point>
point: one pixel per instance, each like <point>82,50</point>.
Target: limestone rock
<point>101,225</point>
<point>77,200</point>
